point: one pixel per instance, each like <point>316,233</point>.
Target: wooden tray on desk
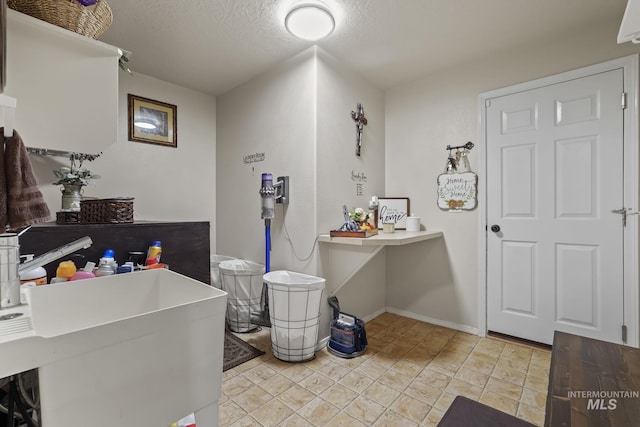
<point>359,233</point>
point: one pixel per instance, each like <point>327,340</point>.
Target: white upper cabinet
<point>630,26</point>
<point>66,86</point>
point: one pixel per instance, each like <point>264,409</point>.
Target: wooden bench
<point>592,383</point>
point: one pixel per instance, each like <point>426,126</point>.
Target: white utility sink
<point>138,349</point>
<point>63,308</point>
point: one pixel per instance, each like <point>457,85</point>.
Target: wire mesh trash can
<point>214,261</point>
<point>294,312</point>
<point>242,280</point>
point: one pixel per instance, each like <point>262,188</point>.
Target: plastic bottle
<point>37,275</point>
<point>81,274</point>
<point>127,267</point>
<point>107,264</point>
<point>65,270</point>
<point>104,270</point>
<point>154,252</point>
<point>107,258</point>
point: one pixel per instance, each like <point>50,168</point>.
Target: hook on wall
<point>460,160</point>
<point>468,146</point>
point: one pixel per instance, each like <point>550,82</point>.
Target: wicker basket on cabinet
<point>90,21</point>
<point>106,211</point>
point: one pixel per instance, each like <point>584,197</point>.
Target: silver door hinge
<point>624,100</point>
<point>624,333</point>
<point>487,103</point>
<point>625,212</point>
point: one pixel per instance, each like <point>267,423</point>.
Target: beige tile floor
<point>408,376</point>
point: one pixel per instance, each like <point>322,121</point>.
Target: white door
<point>554,174</point>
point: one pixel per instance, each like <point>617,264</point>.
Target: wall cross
<point>361,121</point>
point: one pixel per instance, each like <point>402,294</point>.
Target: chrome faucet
<point>9,278</point>
<point>10,267</point>
<point>55,254</point>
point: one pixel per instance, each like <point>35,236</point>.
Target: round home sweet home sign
<point>457,191</point>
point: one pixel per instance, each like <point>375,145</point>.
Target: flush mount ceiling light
<point>310,22</point>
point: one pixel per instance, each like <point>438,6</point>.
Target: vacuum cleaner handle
<point>333,302</point>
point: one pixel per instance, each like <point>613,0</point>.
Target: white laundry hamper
<point>214,263</point>
<point>242,280</point>
<point>294,312</point>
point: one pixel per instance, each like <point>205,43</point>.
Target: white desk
<point>344,247</point>
<point>400,237</point>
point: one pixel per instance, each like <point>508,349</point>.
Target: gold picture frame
<point>152,122</point>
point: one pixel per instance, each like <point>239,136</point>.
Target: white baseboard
<point>322,343</point>
<point>434,321</point>
<point>374,315</point>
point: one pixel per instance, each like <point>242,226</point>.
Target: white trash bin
<point>294,312</point>
<point>214,261</point>
<point>242,280</point>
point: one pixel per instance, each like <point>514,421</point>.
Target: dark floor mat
<point>469,413</point>
<point>236,351</point>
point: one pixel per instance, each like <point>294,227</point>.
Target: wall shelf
<point>60,153</point>
<point>66,86</point>
<point>400,237</point>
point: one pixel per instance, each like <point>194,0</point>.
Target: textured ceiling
<point>214,45</point>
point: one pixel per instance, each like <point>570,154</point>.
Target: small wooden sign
<point>457,191</point>
<point>393,210</point>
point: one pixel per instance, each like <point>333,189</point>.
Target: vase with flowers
<point>361,217</point>
<point>73,179</point>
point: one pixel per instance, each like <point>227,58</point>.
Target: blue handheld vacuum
<point>270,194</point>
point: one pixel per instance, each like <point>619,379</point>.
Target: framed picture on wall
<point>393,210</point>
<point>152,122</point>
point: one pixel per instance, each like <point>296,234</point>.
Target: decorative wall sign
<point>359,178</point>
<point>457,191</point>
<point>253,158</point>
<point>393,210</point>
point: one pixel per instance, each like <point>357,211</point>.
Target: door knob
<point>495,228</point>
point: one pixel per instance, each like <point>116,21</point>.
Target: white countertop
<point>399,237</point>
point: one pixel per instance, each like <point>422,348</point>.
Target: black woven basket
<point>68,217</point>
<point>107,211</point>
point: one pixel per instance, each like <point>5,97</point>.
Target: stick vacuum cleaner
<point>268,194</point>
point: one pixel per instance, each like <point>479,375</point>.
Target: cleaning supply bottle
<point>154,252</point>
<point>65,270</point>
<point>104,270</point>
<point>85,273</point>
<point>107,264</point>
<point>37,275</point>
<point>127,267</point>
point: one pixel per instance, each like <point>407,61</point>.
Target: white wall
<point>168,184</point>
<point>298,115</point>
<point>272,114</point>
<point>355,275</point>
<point>422,117</point>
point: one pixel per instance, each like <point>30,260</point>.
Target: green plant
<point>122,62</point>
<point>76,174</point>
<point>359,215</point>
